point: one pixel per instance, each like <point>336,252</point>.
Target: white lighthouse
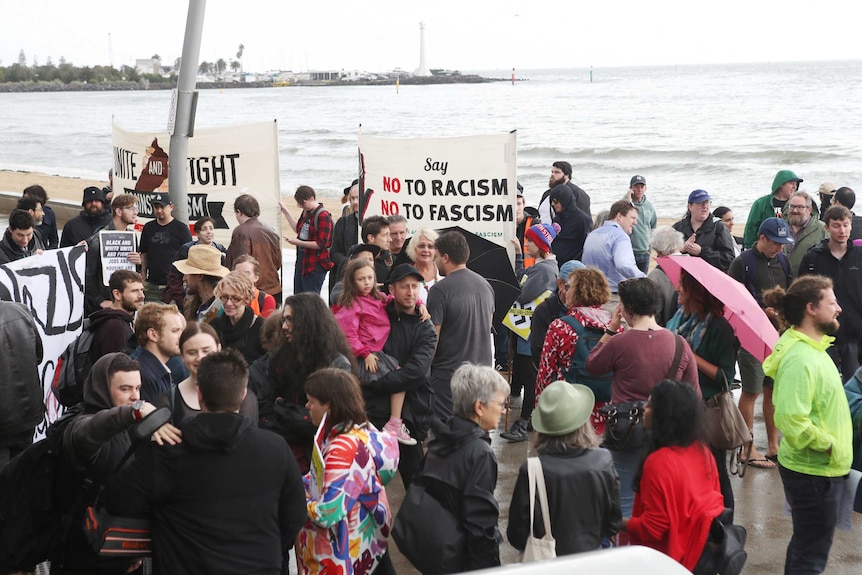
<point>423,66</point>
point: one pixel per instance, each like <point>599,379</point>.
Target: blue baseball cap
<point>776,230</point>
<point>567,268</point>
<point>698,196</point>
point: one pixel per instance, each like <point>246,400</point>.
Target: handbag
<point>725,426</point>
<point>112,536</point>
<point>427,533</point>
<point>724,552</point>
<point>545,548</point>
<point>624,427</point>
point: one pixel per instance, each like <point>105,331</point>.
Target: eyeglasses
<point>234,298</point>
<point>131,209</point>
<point>796,208</point>
<point>501,404</point>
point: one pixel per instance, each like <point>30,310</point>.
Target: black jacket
<point>461,470</point>
<point>243,337</point>
<point>21,399</point>
<point>345,235</point>
<point>846,275</point>
<point>12,252</point>
<point>113,330</point>
<point>82,226</point>
<point>48,229</point>
<point>574,224</point>
<point>228,499</point>
<point>583,501</point>
<point>715,241</point>
<point>546,312</point>
<point>411,342</point>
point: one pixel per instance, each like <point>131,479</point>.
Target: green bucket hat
<point>782,178</point>
<point>563,407</point>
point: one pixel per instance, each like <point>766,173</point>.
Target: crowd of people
<point>404,371</point>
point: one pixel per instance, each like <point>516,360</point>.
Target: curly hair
<point>237,282</point>
<point>351,292</point>
<point>676,421</point>
<point>316,341</point>
<point>587,287</point>
<point>700,301</point>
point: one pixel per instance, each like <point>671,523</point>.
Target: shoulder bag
<point>725,427</point>
<point>624,428</point>
<point>545,548</point>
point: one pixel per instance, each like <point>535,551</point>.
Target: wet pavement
<point>759,500</point>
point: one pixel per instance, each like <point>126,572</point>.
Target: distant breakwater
<point>14,87</point>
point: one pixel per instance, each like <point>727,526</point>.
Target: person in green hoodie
<point>812,412</point>
<point>771,205</point>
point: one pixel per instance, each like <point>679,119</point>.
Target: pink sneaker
<point>400,432</point>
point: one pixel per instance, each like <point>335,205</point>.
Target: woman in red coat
<point>677,491</point>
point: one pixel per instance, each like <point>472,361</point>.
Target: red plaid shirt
<point>322,236</point>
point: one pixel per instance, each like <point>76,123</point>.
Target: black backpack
<point>34,517</point>
<point>73,368</point>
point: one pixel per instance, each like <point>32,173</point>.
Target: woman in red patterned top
<point>587,290</point>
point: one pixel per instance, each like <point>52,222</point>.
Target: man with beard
<point>113,326</point>
<point>807,229</point>
<point>561,173</point>
<point>202,271</point>
<point>841,261</point>
<point>91,219</point>
<point>161,239</point>
<point>158,328</point>
<point>761,268</point>
<point>811,411</point>
<point>124,210</point>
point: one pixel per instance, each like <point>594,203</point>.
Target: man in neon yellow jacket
<point>811,411</point>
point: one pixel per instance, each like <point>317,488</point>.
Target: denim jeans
<point>642,261</point>
<point>312,282</point>
<point>814,509</point>
<point>626,463</point>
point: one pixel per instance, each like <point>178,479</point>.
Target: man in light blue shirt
<point>609,248</point>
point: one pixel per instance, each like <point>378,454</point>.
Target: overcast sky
<point>460,34</point>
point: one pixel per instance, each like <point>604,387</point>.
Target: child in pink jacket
<point>362,316</point>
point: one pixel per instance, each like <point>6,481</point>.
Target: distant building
<point>148,66</point>
<point>422,70</point>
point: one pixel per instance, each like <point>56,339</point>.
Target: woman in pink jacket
<point>361,313</point>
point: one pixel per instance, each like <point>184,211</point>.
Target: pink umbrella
<point>753,329</point>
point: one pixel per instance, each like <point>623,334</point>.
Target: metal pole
<point>184,125</point>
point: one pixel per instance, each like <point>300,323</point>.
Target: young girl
<point>361,313</point>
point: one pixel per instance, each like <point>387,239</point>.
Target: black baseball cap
<point>402,271</point>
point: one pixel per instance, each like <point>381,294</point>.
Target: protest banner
<point>222,163</point>
<point>115,246</point>
<point>438,183</point>
<point>51,285</point>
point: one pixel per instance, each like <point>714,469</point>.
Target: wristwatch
<point>136,409</point>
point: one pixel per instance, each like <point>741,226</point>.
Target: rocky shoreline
<point>16,87</point>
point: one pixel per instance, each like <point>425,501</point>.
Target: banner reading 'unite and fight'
<point>443,182</point>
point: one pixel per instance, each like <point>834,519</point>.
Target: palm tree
<point>204,67</point>
<point>234,65</point>
<point>239,56</point>
<point>221,66</point>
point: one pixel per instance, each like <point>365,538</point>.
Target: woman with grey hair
<point>582,485</point>
<point>420,250</point>
<point>460,468</point>
<point>665,241</point>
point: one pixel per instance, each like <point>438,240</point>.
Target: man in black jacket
<point>837,258</point>
<point>114,326</point>
<point>92,217</point>
<point>229,498</point>
<point>411,341</point>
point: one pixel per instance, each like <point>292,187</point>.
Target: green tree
<point>239,56</point>
<point>204,67</point>
<point>234,65</point>
<point>221,66</point>
<point>22,58</point>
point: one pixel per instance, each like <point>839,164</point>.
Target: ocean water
<point>723,128</point>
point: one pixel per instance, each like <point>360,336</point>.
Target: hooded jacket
<point>461,471</point>
<point>228,499</point>
<point>574,224</point>
<point>811,407</point>
<point>12,252</point>
<point>21,401</point>
<point>113,329</point>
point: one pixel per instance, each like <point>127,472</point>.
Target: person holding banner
<point>20,240</point>
<point>313,240</point>
<point>348,512</point>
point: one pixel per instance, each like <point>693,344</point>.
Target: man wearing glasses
<point>807,230</point>
<point>124,213</point>
<point>704,238</point>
